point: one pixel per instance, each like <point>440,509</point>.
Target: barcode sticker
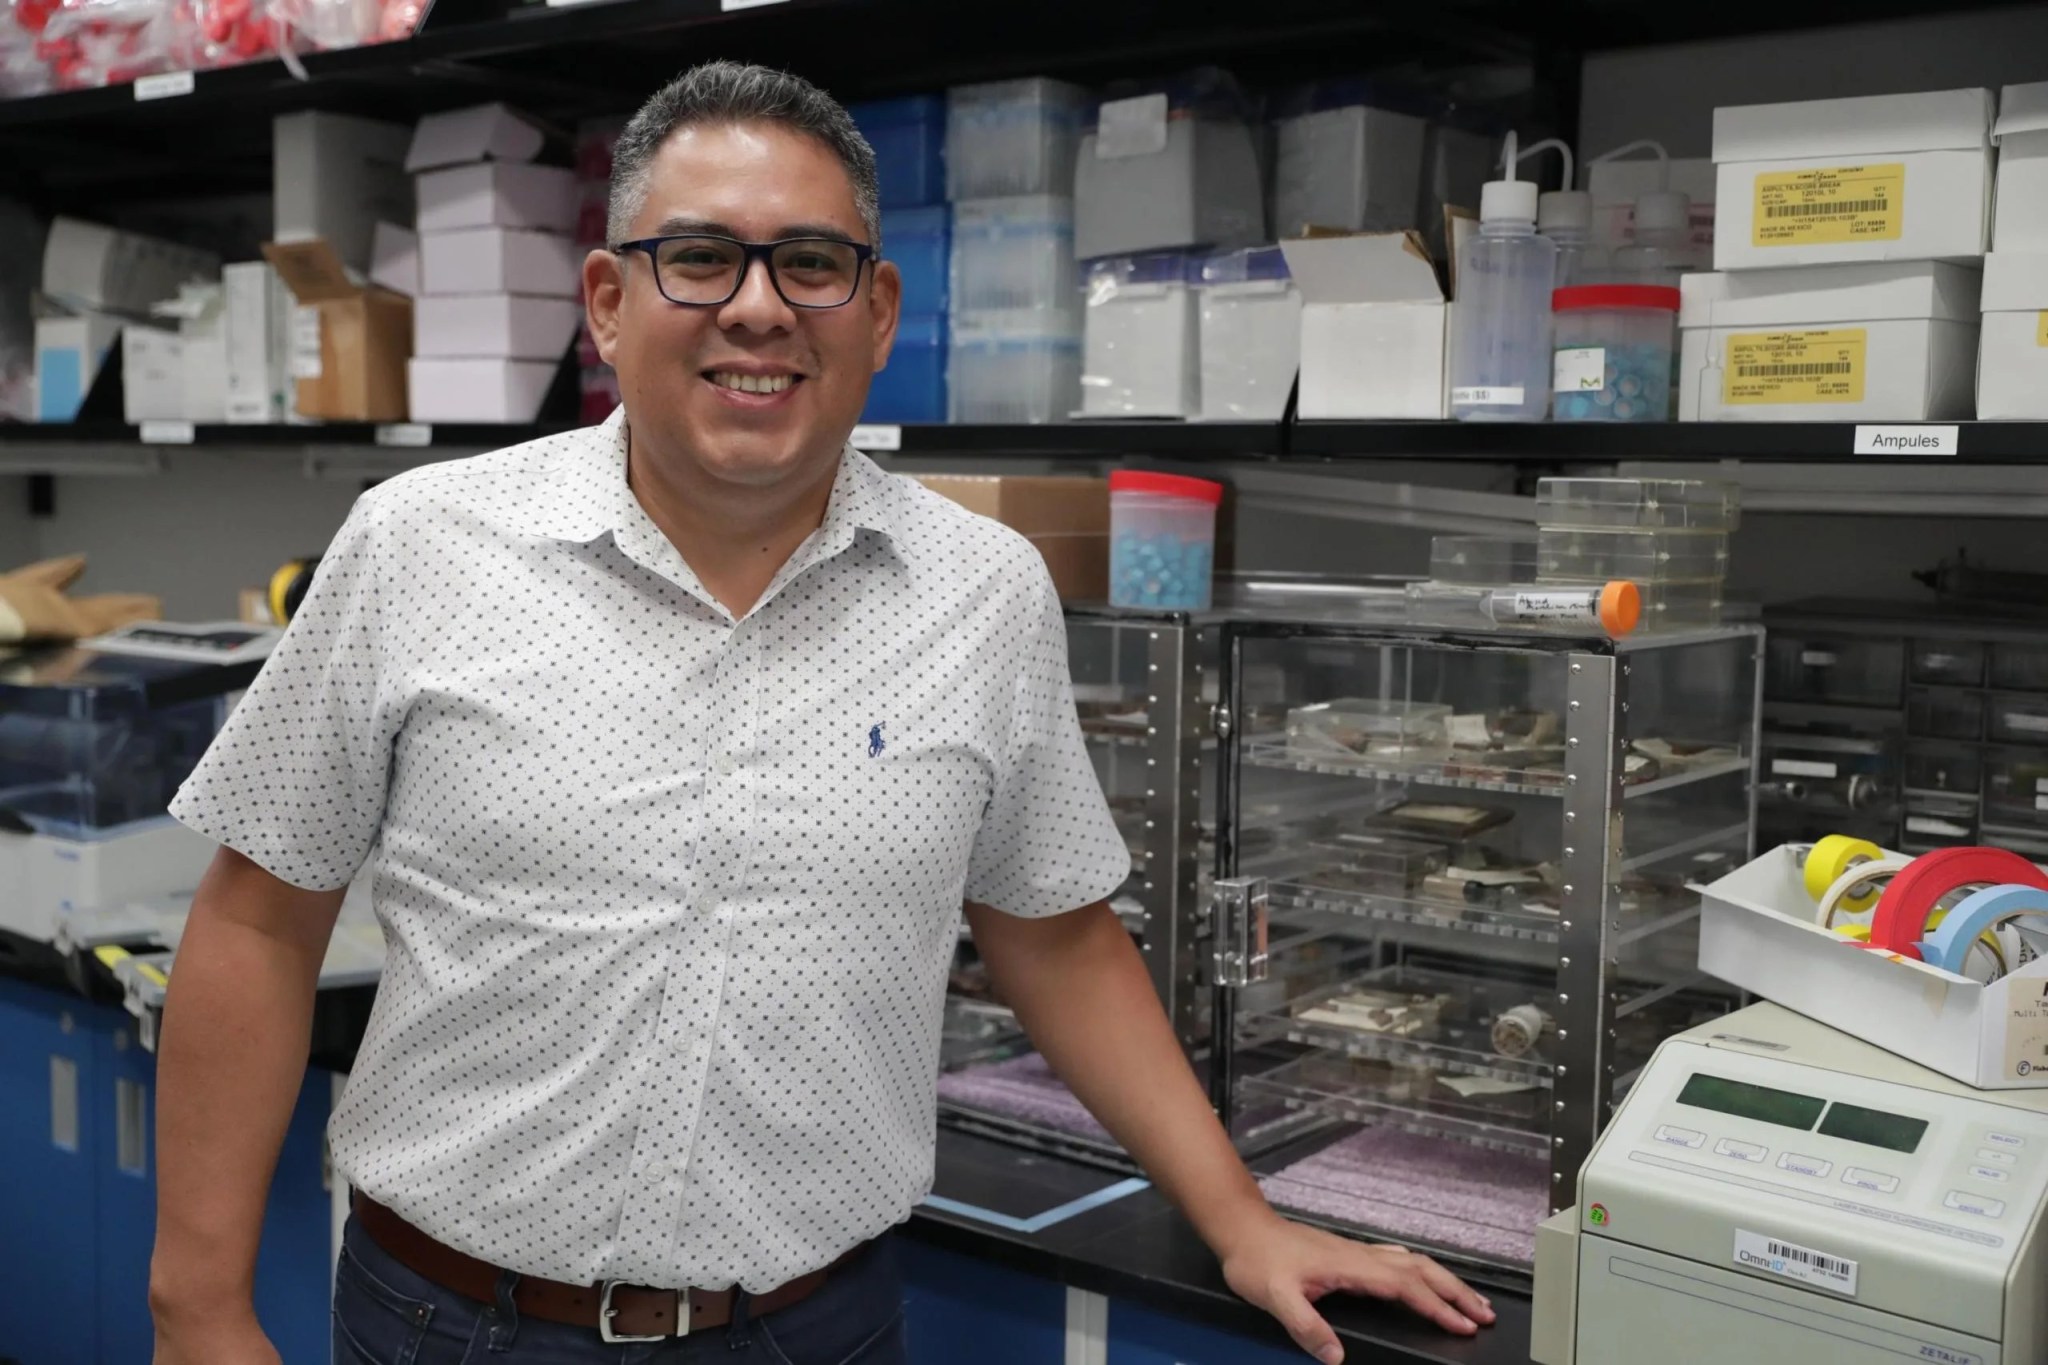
<point>1789,1260</point>
<point>1794,367</point>
<point>1800,767</point>
<point>1830,205</point>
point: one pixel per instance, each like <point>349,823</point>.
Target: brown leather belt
<point>618,1312</point>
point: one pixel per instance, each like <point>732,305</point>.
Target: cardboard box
<point>1195,184</point>
<point>1066,517</point>
<point>258,316</point>
<point>1616,185</point>
<point>89,267</point>
<point>1757,933</point>
<point>2012,360</point>
<point>447,390</point>
<point>1373,326</point>
<point>1876,178</point>
<point>2020,222</point>
<point>395,259</point>
<point>152,374</point>
<point>495,326</point>
<point>203,359</point>
<point>497,194</point>
<point>459,137</point>
<point>1353,168</point>
<point>1894,342</point>
<point>500,261</point>
<point>335,177</point>
<point>69,353</point>
<point>354,368</point>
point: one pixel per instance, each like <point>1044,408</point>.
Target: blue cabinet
<point>1140,1336</point>
<point>963,1308</point>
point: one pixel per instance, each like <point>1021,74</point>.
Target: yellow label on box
<point>2041,328</point>
<point>1794,367</point>
<point>1833,204</point>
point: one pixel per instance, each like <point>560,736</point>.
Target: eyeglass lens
<point>811,272</point>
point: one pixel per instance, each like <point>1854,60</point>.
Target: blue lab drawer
<point>959,1307</point>
<point>920,242</point>
<point>913,386</point>
<point>909,138</point>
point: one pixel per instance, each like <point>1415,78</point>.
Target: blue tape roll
<point>1949,945</point>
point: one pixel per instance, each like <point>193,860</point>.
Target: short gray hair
<point>729,93</point>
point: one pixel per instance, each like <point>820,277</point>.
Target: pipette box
<point>920,242</point>
<point>912,386</point>
<point>1015,252</point>
<point>1140,337</point>
<point>1013,137</point>
<point>1015,365</point>
<point>1250,335</point>
<point>909,138</point>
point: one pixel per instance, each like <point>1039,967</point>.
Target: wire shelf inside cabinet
<point>1477,773</point>
<point>1527,925</point>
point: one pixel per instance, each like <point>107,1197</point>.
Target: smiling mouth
<point>752,383</point>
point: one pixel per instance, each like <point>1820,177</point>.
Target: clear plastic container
<point>1371,728</point>
<point>1250,334</point>
<point>1500,329</point>
<point>1162,540</point>
<point>1612,356</point>
<point>1375,864</point>
<point>1944,714</point>
<point>1019,366</point>
<point>1582,553</point>
<point>1013,137</point>
<point>1140,337</point>
<point>1833,669</point>
<point>1958,663</point>
<point>1680,605</point>
<point>1683,504</point>
<point>2020,666</point>
<point>1490,560</point>
<point>2020,720</point>
<point>1015,253</point>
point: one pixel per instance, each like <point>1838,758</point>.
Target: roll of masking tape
<point>1857,888</point>
<point>1830,858</point>
<point>1900,922</point>
<point>1948,946</point>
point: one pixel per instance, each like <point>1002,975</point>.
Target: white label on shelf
<point>163,86</point>
<point>1482,396</point>
<point>2021,720</point>
<point>305,348</point>
<point>730,5</point>
<point>405,434</point>
<point>2041,803</point>
<point>1816,658</point>
<point>167,433</point>
<point>1927,824</point>
<point>1132,127</point>
<point>1579,369</point>
<point>1800,767</point>
<point>1915,440</point>
<point>877,436</point>
<point>1789,1260</point>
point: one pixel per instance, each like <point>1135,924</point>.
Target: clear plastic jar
<point>1162,540</point>
<point>1612,358</point>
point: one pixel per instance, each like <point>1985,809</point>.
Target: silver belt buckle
<point>605,1314</point>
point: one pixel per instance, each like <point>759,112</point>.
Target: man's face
<point>677,365</point>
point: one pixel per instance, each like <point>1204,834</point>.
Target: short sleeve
<point>296,779</point>
<point>1047,842</point>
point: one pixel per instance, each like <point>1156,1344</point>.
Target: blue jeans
<point>384,1314</point>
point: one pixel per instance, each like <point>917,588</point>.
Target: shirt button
<point>726,765</point>
<point>707,904</point>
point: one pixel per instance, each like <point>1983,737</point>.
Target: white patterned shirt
<point>669,898</point>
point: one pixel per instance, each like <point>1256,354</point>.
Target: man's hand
<point>1284,1268</point>
<point>223,1339</point>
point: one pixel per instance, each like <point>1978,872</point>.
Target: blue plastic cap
<point>1245,263</point>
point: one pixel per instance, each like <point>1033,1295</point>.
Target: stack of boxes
<point>1667,536</point>
<point>499,270</point>
<point>97,282</point>
<point>2012,371</point>
<point>597,384</point>
<point>909,138</point>
<point>1848,246</point>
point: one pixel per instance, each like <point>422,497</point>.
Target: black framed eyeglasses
<point>702,271</point>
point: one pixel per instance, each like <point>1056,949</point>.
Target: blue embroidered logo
<point>875,741</point>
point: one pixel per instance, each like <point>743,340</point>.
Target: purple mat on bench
<point>1021,1088</point>
<point>1423,1188</point>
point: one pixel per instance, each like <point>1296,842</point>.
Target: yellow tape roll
<point>1830,858</point>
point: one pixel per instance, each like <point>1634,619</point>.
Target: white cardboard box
<point>335,177</point>
<point>497,194</point>
<point>1196,183</point>
<point>1354,168</point>
<point>88,266</point>
<point>482,132</point>
<point>1874,178</point>
<point>1757,932</point>
<point>2012,359</point>
<point>1373,326</point>
<point>395,259</point>
<point>494,326</point>
<point>258,317</point>
<point>152,374</point>
<point>1891,342</point>
<point>500,261</point>
<point>445,390</point>
<point>69,353</point>
<point>1250,345</point>
<point>2020,222</point>
<point>1139,350</point>
<point>1616,185</point>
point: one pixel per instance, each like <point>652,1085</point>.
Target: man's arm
<point>1081,991</point>
<point>238,1017</point>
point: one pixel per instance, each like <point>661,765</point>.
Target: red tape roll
<point>1909,898</point>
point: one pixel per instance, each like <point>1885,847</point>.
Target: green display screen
<point>1747,1101</point>
<point>1874,1127</point>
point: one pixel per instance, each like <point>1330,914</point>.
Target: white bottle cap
<point>1507,201</point>
<point>1663,211</point>
<point>1564,209</point>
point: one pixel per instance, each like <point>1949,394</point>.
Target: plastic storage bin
<point>2020,720</point>
<point>920,244</point>
<point>1678,504</point>
<point>1944,714</point>
<point>912,387</point>
<point>1612,352</point>
<point>1373,864</point>
<point>1140,337</point>
<point>1250,334</point>
<point>1843,669</point>
<point>1013,253</point>
<point>1485,561</point>
<point>1580,553</point>
<point>1363,727</point>
<point>1162,540</point>
<point>2024,667</point>
<point>909,138</point>
<point>1013,137</point>
<point>1958,663</point>
<point>1020,365</point>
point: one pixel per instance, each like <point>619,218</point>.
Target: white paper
<point>1800,767</point>
<point>1132,127</point>
<point>1495,397</point>
<point>877,436</point>
<point>166,433</point>
<point>1579,369</point>
<point>163,85</point>
<point>1790,1261</point>
<point>1908,440</point>
<point>1470,732</point>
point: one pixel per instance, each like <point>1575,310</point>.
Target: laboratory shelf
<point>1506,1121</point>
<point>1522,926</point>
<point>1593,442</point>
<point>1275,752</point>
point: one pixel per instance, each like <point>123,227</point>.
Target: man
<point>674,746</point>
